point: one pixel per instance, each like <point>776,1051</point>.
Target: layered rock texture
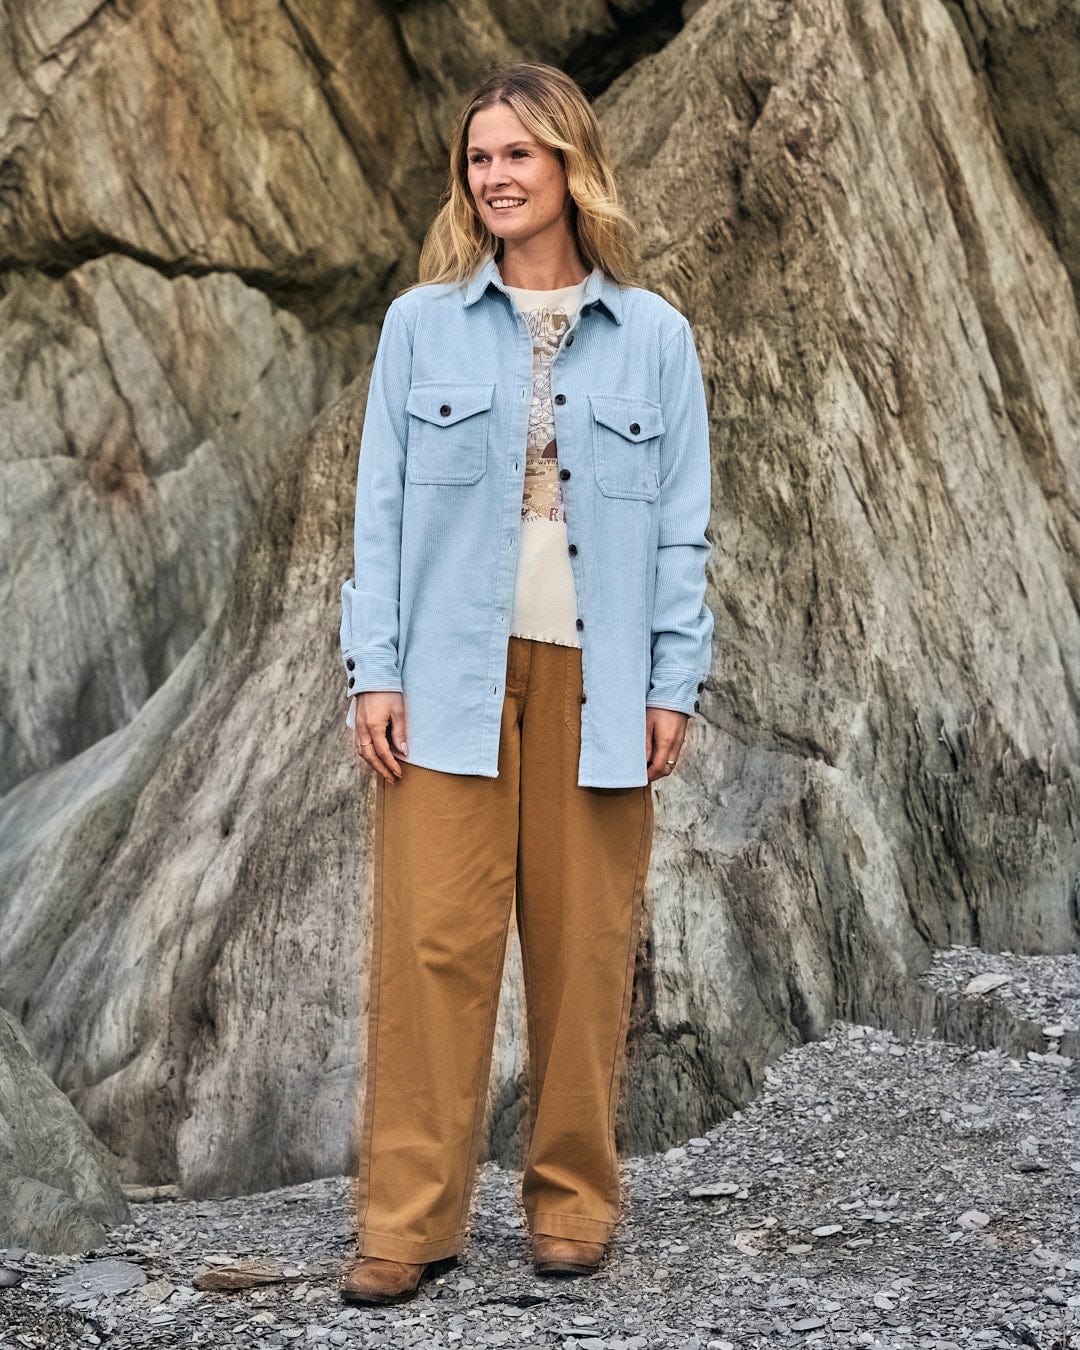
<point>872,230</point>
<point>58,1191</point>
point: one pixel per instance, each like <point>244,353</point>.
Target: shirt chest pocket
<point>626,435</point>
<point>449,430</point>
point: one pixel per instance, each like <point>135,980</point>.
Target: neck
<point>540,271</point>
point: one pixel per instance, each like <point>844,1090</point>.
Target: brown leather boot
<point>565,1256</point>
<point>374,1279</point>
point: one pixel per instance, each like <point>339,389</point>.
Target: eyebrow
<point>508,146</point>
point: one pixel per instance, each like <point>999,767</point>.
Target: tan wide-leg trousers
<point>451,852</point>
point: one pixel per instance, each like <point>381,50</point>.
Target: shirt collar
<point>598,286</point>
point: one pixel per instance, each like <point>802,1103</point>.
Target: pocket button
<point>626,448</point>
<point>448,440</point>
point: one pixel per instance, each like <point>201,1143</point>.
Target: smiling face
<point>506,165</point>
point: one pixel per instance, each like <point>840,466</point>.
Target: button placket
<point>564,474</point>
<point>514,508</point>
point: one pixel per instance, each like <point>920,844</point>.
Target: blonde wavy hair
<point>555,111</point>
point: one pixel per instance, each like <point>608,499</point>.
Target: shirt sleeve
<point>682,623</point>
<point>370,598</point>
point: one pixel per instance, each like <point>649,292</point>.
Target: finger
<point>357,736</point>
<point>366,751</point>
<point>652,750</point>
<point>372,760</point>
<point>664,748</point>
<point>657,767</point>
<point>364,743</point>
<point>363,746</point>
<point>399,731</point>
<point>384,753</point>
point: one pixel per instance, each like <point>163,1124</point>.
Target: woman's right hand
<point>373,712</point>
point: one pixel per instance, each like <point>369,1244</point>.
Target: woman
<point>524,641</point>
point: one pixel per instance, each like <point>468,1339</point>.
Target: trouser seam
<point>374,993</point>
<point>628,975</point>
<point>530,1024</point>
<point>485,1058</point>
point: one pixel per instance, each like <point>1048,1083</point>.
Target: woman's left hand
<point>665,731</point>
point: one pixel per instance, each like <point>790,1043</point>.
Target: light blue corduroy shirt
<point>438,515</point>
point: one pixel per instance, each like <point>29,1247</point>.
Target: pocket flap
<point>444,404</point>
<point>623,414</point>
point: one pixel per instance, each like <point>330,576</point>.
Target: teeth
<point>500,202</point>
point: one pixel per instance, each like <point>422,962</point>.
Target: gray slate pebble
<point>856,1201</point>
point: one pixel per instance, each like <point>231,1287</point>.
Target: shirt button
<point>635,428</point>
<point>570,340</point>
<point>581,623</point>
<point>445,410</point>
<point>584,698</point>
<point>564,473</point>
<point>573,548</point>
<point>701,686</point>
<point>350,664</point>
<point>695,705</point>
<point>560,398</point>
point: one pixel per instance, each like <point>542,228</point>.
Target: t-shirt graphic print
<point>545,605</point>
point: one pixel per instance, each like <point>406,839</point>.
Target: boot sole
<point>564,1268</point>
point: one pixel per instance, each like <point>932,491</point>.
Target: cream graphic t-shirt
<point>545,605</point>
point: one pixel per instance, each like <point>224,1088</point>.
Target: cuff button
<point>350,664</point>
<point>701,686</point>
<point>695,705</point>
<point>352,680</point>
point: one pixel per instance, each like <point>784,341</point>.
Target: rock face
<point>887,756</point>
<point>144,416</point>
<point>183,287</point>
<point>57,1191</point>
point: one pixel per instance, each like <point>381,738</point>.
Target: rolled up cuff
<point>364,674</point>
<point>677,690</point>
